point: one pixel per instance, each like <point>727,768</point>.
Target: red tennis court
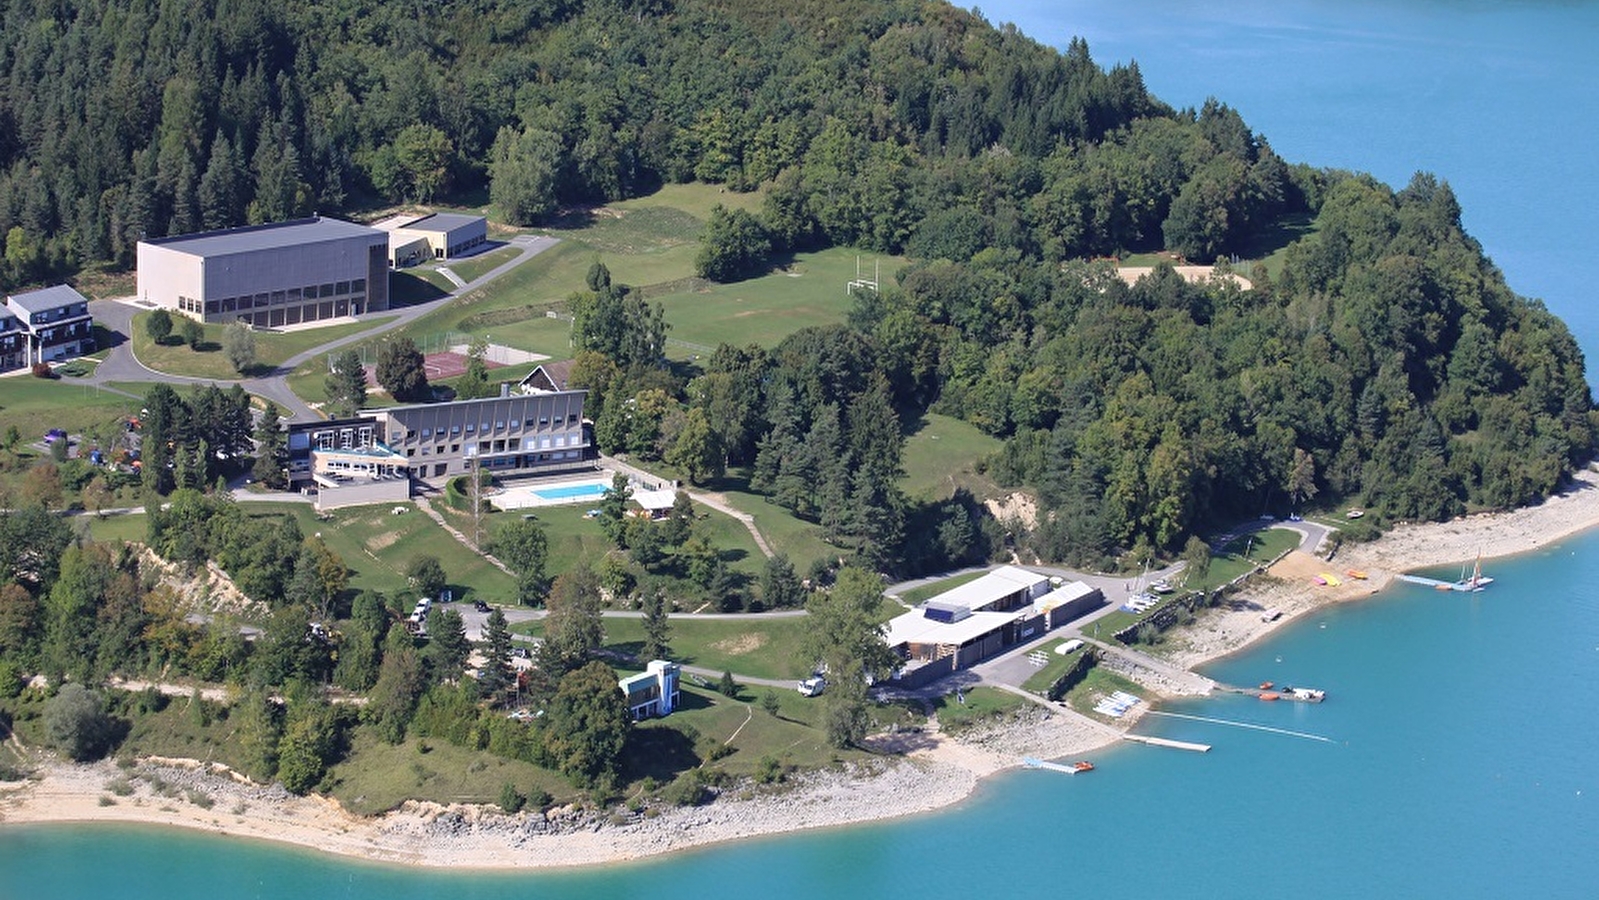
<point>439,366</point>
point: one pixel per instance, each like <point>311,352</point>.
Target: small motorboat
<point>1266,685</point>
<point>1083,766</point>
<point>1269,696</point>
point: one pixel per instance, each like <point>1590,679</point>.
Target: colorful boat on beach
<point>1357,574</point>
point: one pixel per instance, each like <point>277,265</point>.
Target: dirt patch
<point>1015,507</point>
<point>744,643</point>
<point>380,540</point>
<point>206,590</point>
<point>1300,566</point>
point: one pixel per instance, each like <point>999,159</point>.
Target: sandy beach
<point>918,772</point>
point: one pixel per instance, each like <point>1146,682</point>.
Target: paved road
<point>121,365</point>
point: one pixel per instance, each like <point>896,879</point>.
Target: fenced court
<point>444,355</point>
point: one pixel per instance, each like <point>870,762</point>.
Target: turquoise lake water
<point>1462,728</point>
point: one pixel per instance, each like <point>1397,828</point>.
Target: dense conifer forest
<point>1385,362</point>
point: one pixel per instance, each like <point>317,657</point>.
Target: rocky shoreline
<point>915,773</point>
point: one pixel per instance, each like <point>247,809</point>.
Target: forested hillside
<point>1386,362</point>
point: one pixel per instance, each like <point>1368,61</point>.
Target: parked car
<point>813,686</point>
<point>480,606</point>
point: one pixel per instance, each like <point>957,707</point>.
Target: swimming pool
<point>572,491</point>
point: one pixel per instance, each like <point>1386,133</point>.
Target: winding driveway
<point>121,365</point>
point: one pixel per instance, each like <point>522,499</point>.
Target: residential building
<point>654,691</point>
<point>46,325</point>
<point>415,239</point>
<point>284,273</point>
<point>13,341</point>
<point>970,623</point>
<point>547,377</point>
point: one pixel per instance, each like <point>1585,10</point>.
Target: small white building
<point>416,239</point>
<point>654,691</point>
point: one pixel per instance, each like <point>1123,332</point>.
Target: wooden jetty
<point>1166,742</point>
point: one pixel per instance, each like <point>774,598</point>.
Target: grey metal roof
<point>47,298</point>
<point>442,222</point>
<point>272,236</point>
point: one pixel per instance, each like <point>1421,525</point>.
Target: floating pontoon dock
<point>1032,763</point>
<point>1469,586</point>
<point>1166,742</point>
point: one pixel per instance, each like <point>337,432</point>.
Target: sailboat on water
<point>1476,581</point>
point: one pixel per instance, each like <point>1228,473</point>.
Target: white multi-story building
<point>46,325</point>
<point>285,273</point>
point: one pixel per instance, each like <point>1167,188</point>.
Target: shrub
<point>11,680</point>
<point>511,799</point>
<point>76,723</point>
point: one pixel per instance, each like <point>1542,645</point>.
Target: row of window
<point>487,447</point>
<point>290,297</point>
<point>508,462</point>
<point>461,248</point>
<point>343,438</point>
<point>473,428</point>
<point>60,312</point>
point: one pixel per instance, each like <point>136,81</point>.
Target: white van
<point>812,686</point>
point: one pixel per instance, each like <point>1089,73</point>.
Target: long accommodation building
<point>46,325</point>
<point>284,273</point>
<point>372,457</point>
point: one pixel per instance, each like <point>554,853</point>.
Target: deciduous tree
<point>587,725</point>
<point>238,345</point>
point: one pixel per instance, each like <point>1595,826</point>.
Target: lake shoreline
<point>917,772</point>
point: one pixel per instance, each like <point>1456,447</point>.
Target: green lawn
<point>377,776</point>
<point>271,348</point>
<point>475,267</point>
<point>377,546</point>
<point>1261,547</point>
<point>942,455</point>
<point>412,286</point>
<point>758,648</point>
<point>695,199</point>
<point>1040,680</point>
<point>35,405</point>
<point>1098,684</point>
<point>980,703</point>
<point>793,737</point>
<point>809,291</point>
<point>131,528</point>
